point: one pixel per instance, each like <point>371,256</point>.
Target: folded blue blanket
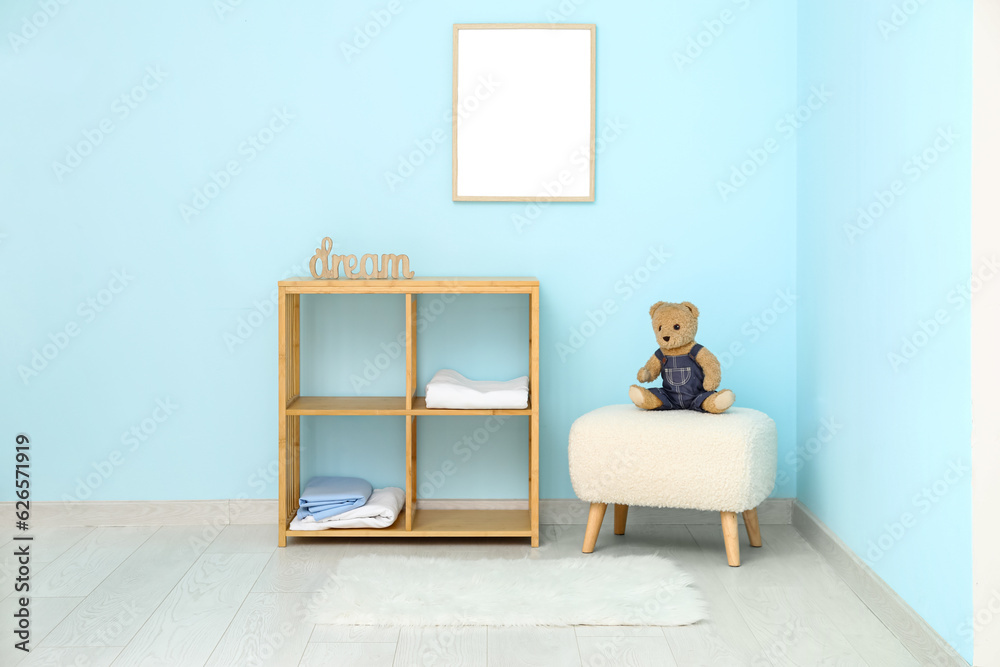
<point>324,497</point>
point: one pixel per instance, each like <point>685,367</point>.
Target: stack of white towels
<point>346,502</point>
<point>452,390</point>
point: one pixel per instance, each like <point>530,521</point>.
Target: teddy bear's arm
<point>649,372</point>
<point>709,364</point>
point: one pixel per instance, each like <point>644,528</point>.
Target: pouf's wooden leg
<point>731,536</point>
<point>621,516</point>
<point>753,527</point>
<point>594,522</point>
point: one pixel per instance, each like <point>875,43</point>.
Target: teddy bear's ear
<point>690,306</point>
<point>652,309</point>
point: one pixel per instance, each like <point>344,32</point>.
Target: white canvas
<point>524,113</point>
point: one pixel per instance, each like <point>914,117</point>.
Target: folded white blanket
<point>380,511</point>
<point>450,389</point>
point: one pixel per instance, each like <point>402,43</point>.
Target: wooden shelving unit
<point>293,406</point>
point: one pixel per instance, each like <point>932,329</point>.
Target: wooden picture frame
<point>526,138</point>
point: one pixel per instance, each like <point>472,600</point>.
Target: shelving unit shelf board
<point>381,405</point>
<point>347,405</point>
<point>441,523</point>
<point>293,406</point>
<point>420,408</point>
<point>418,285</point>
<point>473,523</point>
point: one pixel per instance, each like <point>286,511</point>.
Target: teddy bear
<point>691,374</point>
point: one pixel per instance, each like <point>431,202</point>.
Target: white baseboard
<point>148,512</point>
<point>919,638</point>
<point>253,511</point>
<point>127,512</point>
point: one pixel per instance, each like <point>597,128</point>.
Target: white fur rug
<point>593,590</point>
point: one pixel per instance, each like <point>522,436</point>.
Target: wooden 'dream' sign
<point>390,266</point>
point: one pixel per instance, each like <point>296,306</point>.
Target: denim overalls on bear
<point>683,381</point>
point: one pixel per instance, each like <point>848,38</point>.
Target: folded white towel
<point>380,511</point>
<point>450,389</point>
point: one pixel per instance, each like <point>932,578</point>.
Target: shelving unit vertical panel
<point>409,504</point>
<point>411,349</point>
<point>283,447</point>
<point>411,470</point>
<point>295,421</point>
<point>533,372</point>
<point>411,426</point>
<point>295,386</point>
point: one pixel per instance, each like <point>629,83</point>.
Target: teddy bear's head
<point>675,324</point>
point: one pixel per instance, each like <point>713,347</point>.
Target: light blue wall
<point>191,284</point>
<point>891,476</point>
<point>191,324</point>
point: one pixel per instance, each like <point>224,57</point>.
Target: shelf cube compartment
<point>355,345</point>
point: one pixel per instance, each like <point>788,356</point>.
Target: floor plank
<point>367,654</point>
<point>300,568</point>
<point>618,631</point>
<point>441,647</point>
<point>335,634</point>
<point>117,608</point>
<point>70,656</point>
<point>566,541</point>
<point>759,566</point>
<point>884,650</point>
<point>626,651</point>
<point>47,545</point>
<point>188,624</point>
<point>269,630</point>
<point>789,636</point>
<point>775,604</point>
<point>908,628</point>
<point>45,614</point>
<point>245,538</point>
<point>725,638</point>
<point>82,567</point>
<point>709,644</point>
<point>831,596</point>
<point>534,646</point>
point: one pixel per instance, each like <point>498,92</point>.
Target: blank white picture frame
<point>523,112</point>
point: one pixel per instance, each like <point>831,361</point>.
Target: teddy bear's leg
<point>718,402</point>
<point>644,398</point>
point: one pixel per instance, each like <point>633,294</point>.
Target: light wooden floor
<point>198,595</point>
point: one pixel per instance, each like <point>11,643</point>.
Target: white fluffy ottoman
<point>674,458</point>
